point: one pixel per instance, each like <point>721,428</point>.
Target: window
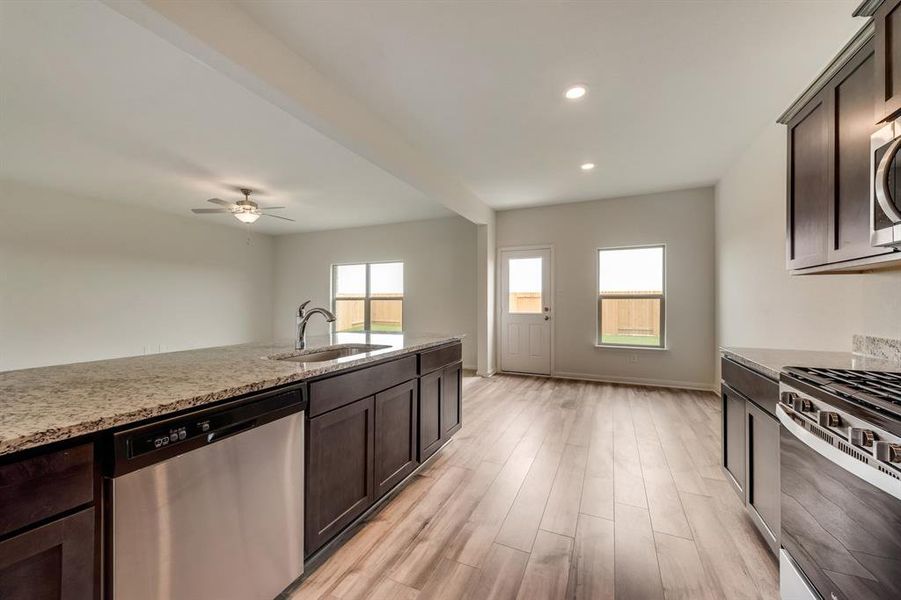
<point>631,297</point>
<point>368,297</point>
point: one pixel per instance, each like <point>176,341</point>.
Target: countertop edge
<point>757,367</point>
<point>54,435</point>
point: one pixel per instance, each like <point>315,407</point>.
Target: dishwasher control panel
<point>140,446</point>
<point>170,435</point>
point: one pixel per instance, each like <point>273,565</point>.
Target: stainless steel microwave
<point>885,193</point>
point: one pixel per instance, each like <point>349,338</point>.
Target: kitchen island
<point>370,418</point>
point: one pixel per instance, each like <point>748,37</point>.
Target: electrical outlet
<point>633,357</point>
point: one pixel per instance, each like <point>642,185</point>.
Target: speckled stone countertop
<point>47,404</point>
<point>770,362</point>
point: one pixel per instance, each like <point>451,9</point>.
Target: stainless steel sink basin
<point>326,354</point>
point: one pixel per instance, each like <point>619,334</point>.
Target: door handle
<point>883,195</point>
<point>547,318</point>
<point>825,449</point>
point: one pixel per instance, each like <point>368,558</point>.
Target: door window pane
<point>350,315</point>
<point>524,285</point>
<point>630,321</point>
<point>350,281</point>
<point>631,271</point>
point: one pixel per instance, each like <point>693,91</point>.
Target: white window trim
<point>663,315</point>
<point>367,321</point>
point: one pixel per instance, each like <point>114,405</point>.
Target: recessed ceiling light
<point>587,166</point>
<point>575,92</point>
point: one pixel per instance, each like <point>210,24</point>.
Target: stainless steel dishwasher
<point>209,505</point>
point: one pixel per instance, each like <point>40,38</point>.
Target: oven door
<point>841,519</point>
<point>885,194</point>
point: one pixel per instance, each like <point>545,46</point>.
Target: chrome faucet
<point>303,316</point>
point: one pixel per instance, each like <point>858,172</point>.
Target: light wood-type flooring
<point>562,489</point>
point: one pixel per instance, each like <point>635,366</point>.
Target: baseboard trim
<point>488,374</point>
<point>662,383</point>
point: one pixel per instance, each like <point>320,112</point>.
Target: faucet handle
<point>300,309</point>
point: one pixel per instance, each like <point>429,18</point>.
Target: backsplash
<point>878,347</point>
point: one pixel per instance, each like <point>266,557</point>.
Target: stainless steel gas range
<point>840,470</point>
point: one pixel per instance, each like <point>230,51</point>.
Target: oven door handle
<point>871,475</point>
<point>883,195</point>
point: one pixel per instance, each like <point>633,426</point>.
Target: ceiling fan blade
<point>276,217</point>
<point>221,202</point>
<point>271,207</point>
<point>203,211</point>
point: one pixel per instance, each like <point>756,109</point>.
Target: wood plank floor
<point>562,489</point>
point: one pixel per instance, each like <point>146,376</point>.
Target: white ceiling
<point>94,104</point>
<point>677,89</point>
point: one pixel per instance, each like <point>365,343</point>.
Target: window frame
<point>367,297</point>
<point>599,298</point>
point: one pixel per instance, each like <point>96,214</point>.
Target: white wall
<point>440,274</point>
<point>683,220</point>
<point>83,279</point>
<point>758,303</point>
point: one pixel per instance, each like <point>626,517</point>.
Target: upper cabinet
<point>828,171</point>
<point>888,59</point>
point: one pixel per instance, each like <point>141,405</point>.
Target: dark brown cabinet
<point>809,184</point>
<point>340,464</point>
<point>828,218</point>
<point>54,561</point>
<point>368,430</point>
<point>46,556</point>
<point>734,437</point>
<point>440,408</point>
<point>853,122</point>
<point>828,167</point>
<point>762,492</point>
<point>452,408</point>
<point>751,445</point>
<point>431,394</point>
<point>395,436</point>
<point>888,59</point>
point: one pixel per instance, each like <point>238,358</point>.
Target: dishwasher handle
<point>229,431</point>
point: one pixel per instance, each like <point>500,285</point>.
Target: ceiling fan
<point>246,210</point>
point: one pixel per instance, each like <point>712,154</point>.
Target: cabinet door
<point>51,562</point>
<point>849,218</point>
<point>431,391</point>
<point>734,437</point>
<point>762,491</point>
<point>340,482</point>
<point>395,435</point>
<point>888,59</point>
<point>810,175</point>
<point>451,405</point>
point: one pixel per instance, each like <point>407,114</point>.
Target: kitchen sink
<point>325,354</point>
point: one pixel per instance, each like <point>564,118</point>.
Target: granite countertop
<point>770,362</point>
<point>47,404</point>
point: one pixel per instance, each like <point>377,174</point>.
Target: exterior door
<point>526,311</point>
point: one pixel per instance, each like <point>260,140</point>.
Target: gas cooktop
<point>875,390</point>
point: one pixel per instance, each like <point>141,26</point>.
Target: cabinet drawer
<point>40,487</point>
<point>431,360</point>
<point>762,390</point>
<point>334,392</point>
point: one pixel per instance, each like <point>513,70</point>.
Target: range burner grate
<point>878,390</point>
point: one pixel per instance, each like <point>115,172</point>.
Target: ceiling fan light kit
<point>246,210</point>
